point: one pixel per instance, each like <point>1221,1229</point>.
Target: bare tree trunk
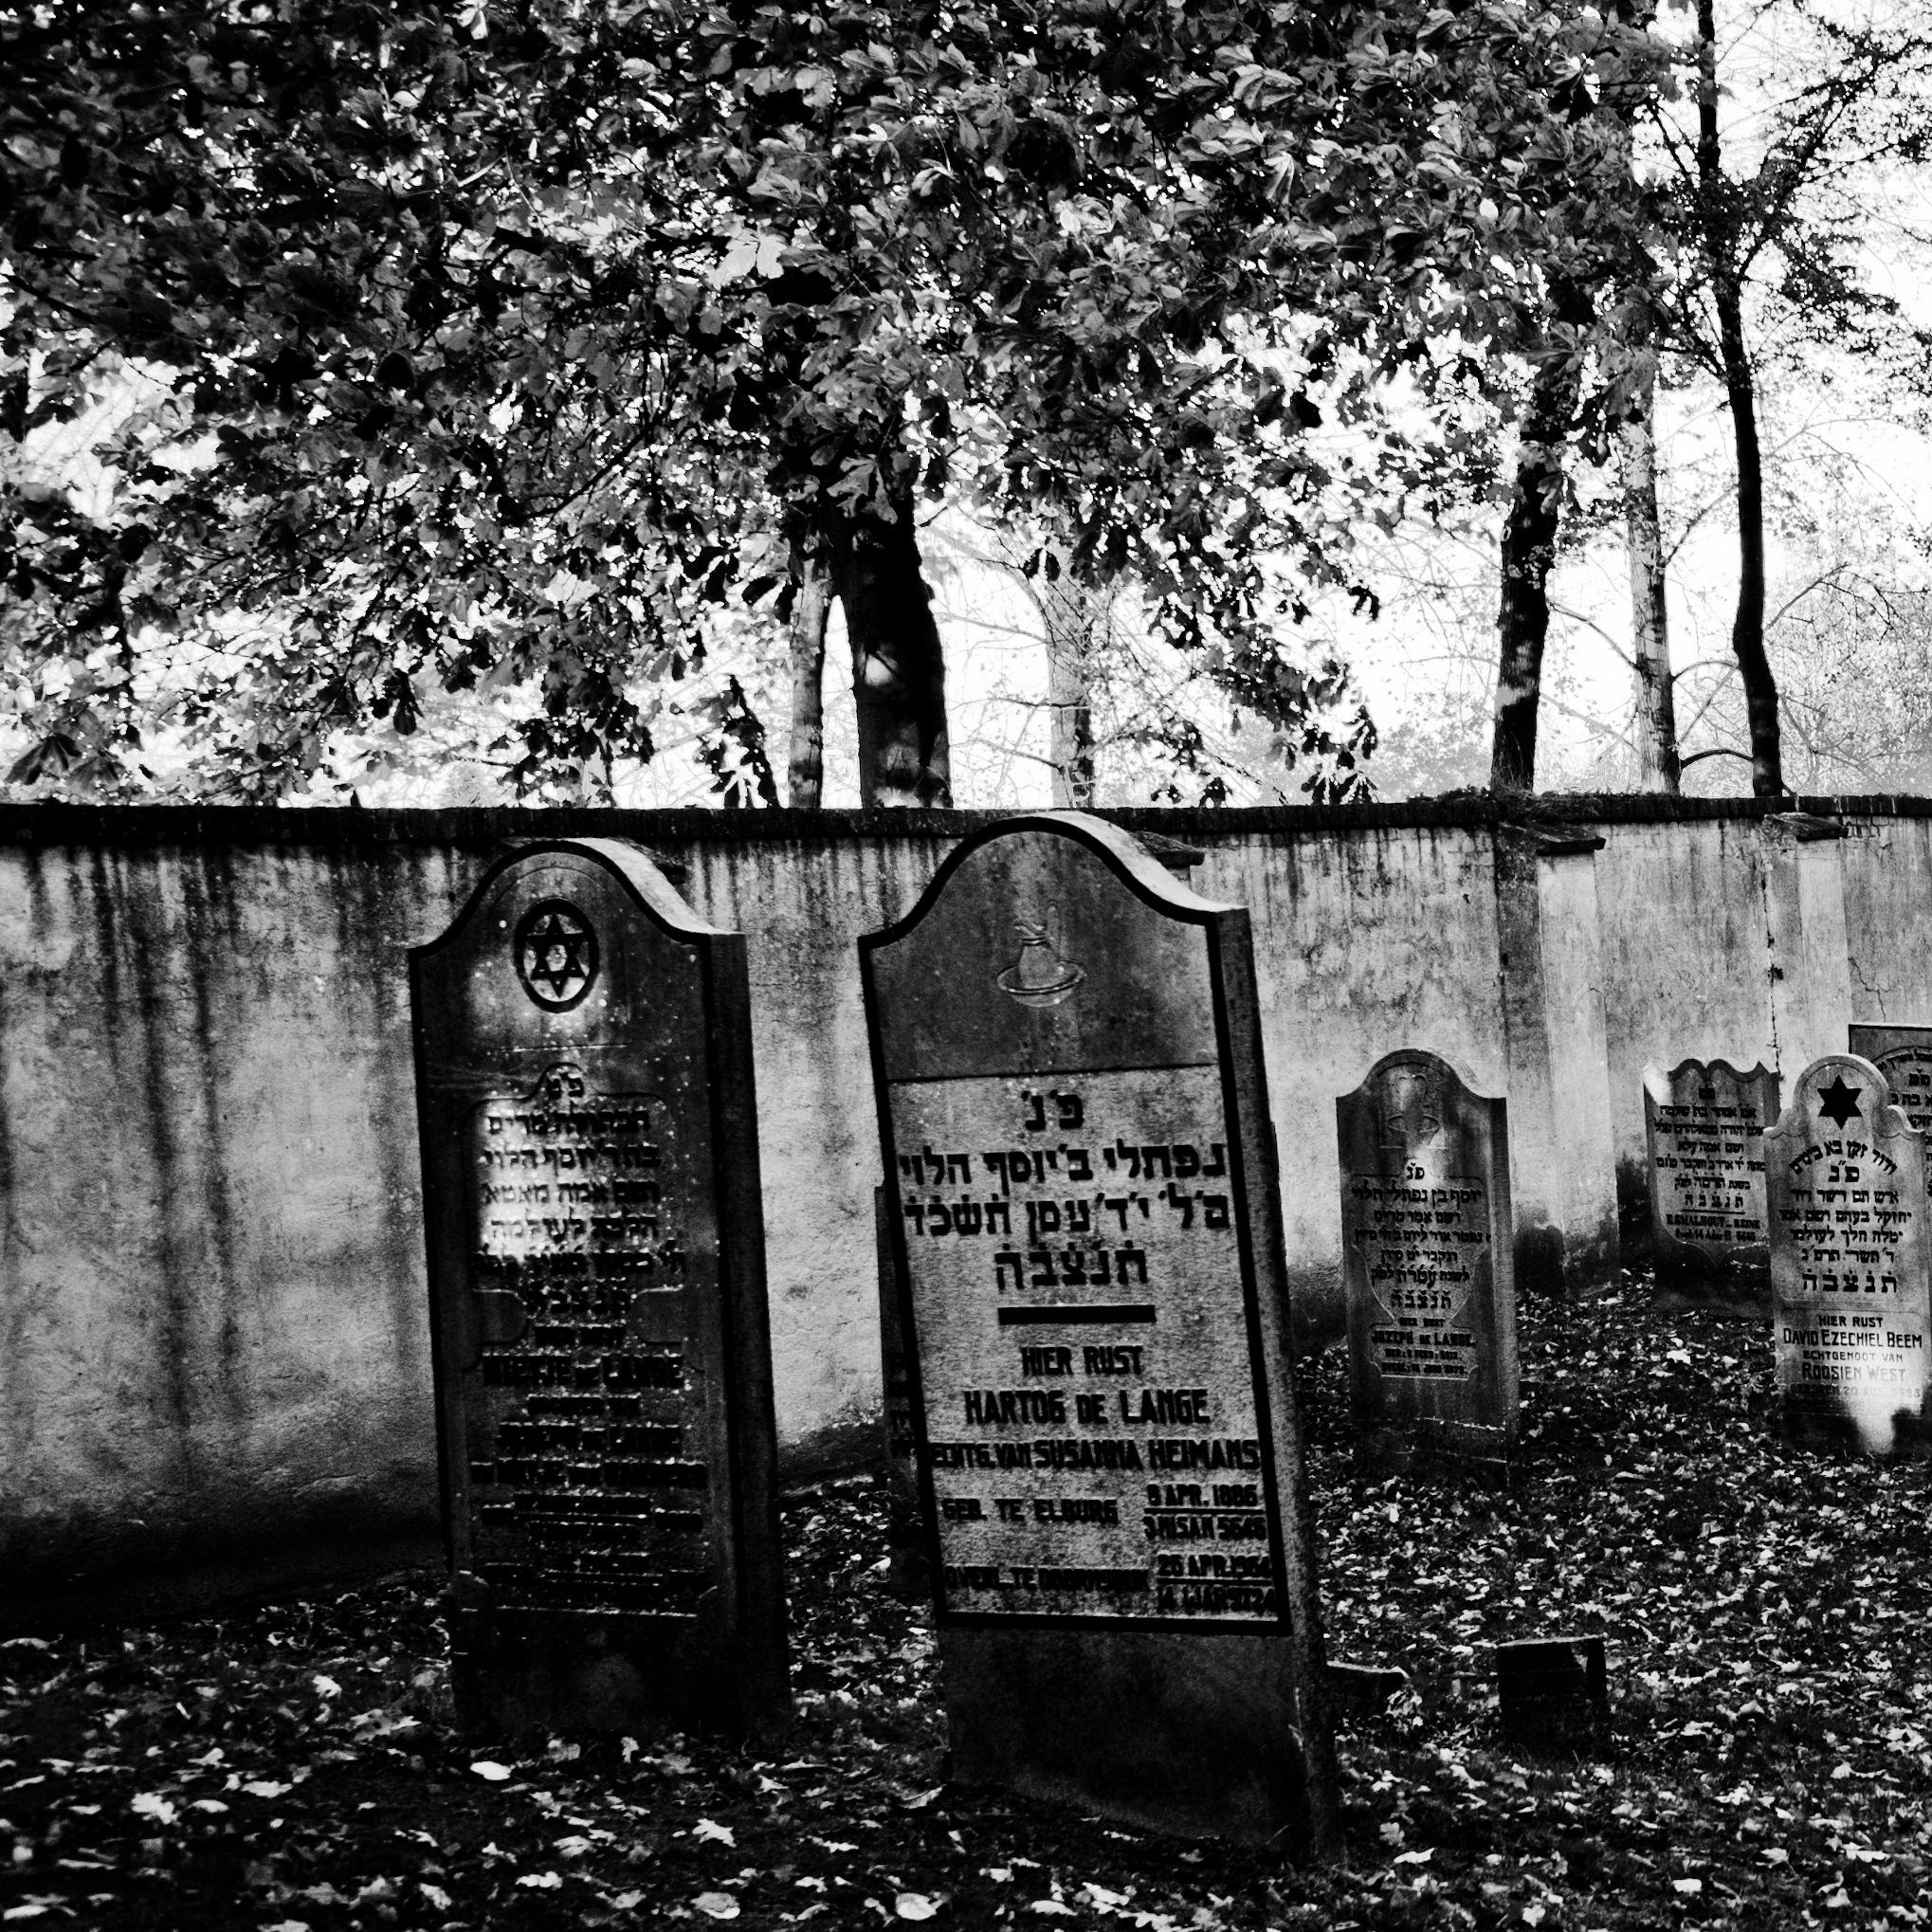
<point>1529,548</point>
<point>1720,234</point>
<point>1656,703</point>
<point>1073,613</point>
<point>810,608</point>
<point>898,674</point>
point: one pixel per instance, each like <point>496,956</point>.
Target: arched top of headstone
<point>1663,1087</point>
<point>570,944</point>
<point>1050,939</point>
<point>1423,1098</point>
<point>1841,1095</point>
<point>633,870</point>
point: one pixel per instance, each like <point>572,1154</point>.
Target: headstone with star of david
<point>597,1301</point>
<point>1067,1053</point>
<point>1427,1261</point>
<point>1851,1261</point>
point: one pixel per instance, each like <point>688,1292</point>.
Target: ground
<point>291,1765</point>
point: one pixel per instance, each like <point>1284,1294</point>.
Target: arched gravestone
<point>1851,1298</point>
<point>1428,1258</point>
<point>1703,1128</point>
<point>1083,1199</point>
<point>596,1275</point>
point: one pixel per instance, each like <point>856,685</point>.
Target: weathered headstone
<point>1428,1259</point>
<point>1904,1055</point>
<point>597,1273</point>
<point>1703,1125</point>
<point>1851,1297</point>
<point>1076,1131</point>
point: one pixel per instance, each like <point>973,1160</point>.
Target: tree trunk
<point>1720,235</point>
<point>1529,548</point>
<point>1073,612</point>
<point>810,608</point>
<point>1657,704</point>
<point>898,674</point>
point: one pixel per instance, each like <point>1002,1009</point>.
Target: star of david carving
<point>1838,1103</point>
<point>555,955</point>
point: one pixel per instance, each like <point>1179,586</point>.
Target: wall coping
<point>63,823</point>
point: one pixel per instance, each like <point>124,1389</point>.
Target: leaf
<point>541,1881</point>
<point>488,1769</point>
<point>151,1804</point>
<point>915,1905</point>
<point>716,1905</point>
<point>707,1832</point>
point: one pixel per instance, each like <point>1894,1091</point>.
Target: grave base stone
<point>1554,1692</point>
<point>1361,1690</point>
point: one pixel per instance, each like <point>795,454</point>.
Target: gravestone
<point>1427,1260</point>
<point>1851,1298</point>
<point>596,1275</point>
<point>1704,1126</point>
<point>1076,1131</point>
<point>1904,1055</point>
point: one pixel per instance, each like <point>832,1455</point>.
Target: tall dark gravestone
<point>596,1275</point>
<point>1077,1139</point>
<point>1904,1055</point>
<point>1851,1297</point>
<point>1704,1126</point>
<point>1427,1260</point>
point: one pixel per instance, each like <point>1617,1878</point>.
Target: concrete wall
<point>213,1361</point>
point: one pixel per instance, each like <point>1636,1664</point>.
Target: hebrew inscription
<point>1092,1428</point>
<point>584,1494</point>
<point>1852,1307</point>
<point>1704,1125</point>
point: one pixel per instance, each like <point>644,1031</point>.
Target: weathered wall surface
<point>213,1358</point>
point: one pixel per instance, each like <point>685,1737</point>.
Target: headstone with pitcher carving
<point>596,1277</point>
<point>1084,1202</point>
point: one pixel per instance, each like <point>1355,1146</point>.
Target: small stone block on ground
<point>1363,1690</point>
<point>1554,1691</point>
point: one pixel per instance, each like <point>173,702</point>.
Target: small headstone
<point>1076,1128</point>
<point>1851,1297</point>
<point>1904,1055</point>
<point>906,1539</point>
<point>1554,1692</point>
<point>597,1274</point>
<point>1703,1125</point>
<point>1428,1261</point>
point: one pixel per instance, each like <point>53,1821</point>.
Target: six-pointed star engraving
<point>555,955</point>
<point>1838,1103</point>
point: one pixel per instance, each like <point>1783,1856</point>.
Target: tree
<point>501,347</point>
<point>1845,101</point>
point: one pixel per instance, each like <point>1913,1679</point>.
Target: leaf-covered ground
<point>1771,1671</point>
